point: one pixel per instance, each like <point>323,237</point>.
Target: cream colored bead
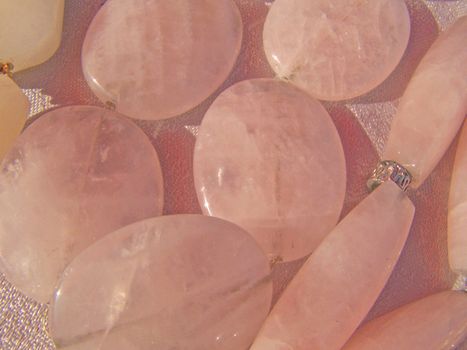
<point>14,108</point>
<point>30,31</point>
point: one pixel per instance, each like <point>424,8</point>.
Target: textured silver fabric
<point>23,322</point>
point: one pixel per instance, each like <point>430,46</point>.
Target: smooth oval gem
<point>268,158</point>
<point>315,312</point>
<point>74,175</point>
<point>336,50</point>
<point>457,209</point>
<point>173,282</point>
<point>14,108</point>
<point>30,31</point>
<point>157,59</point>
<point>433,107</point>
<point>435,322</point>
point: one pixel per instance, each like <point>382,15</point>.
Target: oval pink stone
<point>173,282</point>
<point>268,158</point>
<point>336,49</point>
<point>438,321</point>
<point>339,283</point>
<point>74,175</point>
<point>433,107</point>
<point>157,59</point>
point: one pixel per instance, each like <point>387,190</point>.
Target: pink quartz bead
<point>437,322</point>
<point>268,158</point>
<point>457,209</point>
<point>336,50</point>
<point>74,175</point>
<point>173,282</point>
<point>433,106</point>
<point>156,59</point>
<point>340,281</point>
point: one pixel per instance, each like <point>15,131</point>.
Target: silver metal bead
<point>390,170</point>
<point>460,284</point>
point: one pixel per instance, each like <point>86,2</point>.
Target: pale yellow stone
<point>14,107</point>
<point>30,31</point>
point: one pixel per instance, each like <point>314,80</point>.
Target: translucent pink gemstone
<point>157,59</point>
<point>268,158</point>
<point>340,281</point>
<point>74,175</point>
<point>457,209</point>
<point>435,322</point>
<point>336,49</point>
<point>173,282</point>
<point>433,107</point>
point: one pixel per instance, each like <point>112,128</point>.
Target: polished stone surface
<point>169,283</point>
<point>74,175</point>
<point>157,59</point>
<point>14,108</point>
<point>433,106</point>
<point>437,322</point>
<point>423,269</point>
<point>268,158</point>
<point>30,31</point>
<point>336,49</point>
<point>457,209</point>
<point>339,283</point>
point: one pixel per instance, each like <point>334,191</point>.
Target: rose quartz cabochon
<point>74,175</point>
<point>433,107</point>
<point>336,49</point>
<point>457,209</point>
<point>156,59</point>
<point>268,158</point>
<point>339,283</point>
<point>423,267</point>
<point>437,322</point>
<point>169,283</point>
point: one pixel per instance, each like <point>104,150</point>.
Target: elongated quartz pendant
<point>30,31</point>
<point>156,59</point>
<point>435,322</point>
<point>433,106</point>
<point>457,212</point>
<point>173,282</point>
<point>14,108</point>
<point>340,281</point>
<point>268,158</point>
<point>74,175</point>
<point>336,50</point>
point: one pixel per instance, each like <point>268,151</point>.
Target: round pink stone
<point>268,158</point>
<point>173,282</point>
<point>74,175</point>
<point>157,59</point>
<point>336,49</point>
